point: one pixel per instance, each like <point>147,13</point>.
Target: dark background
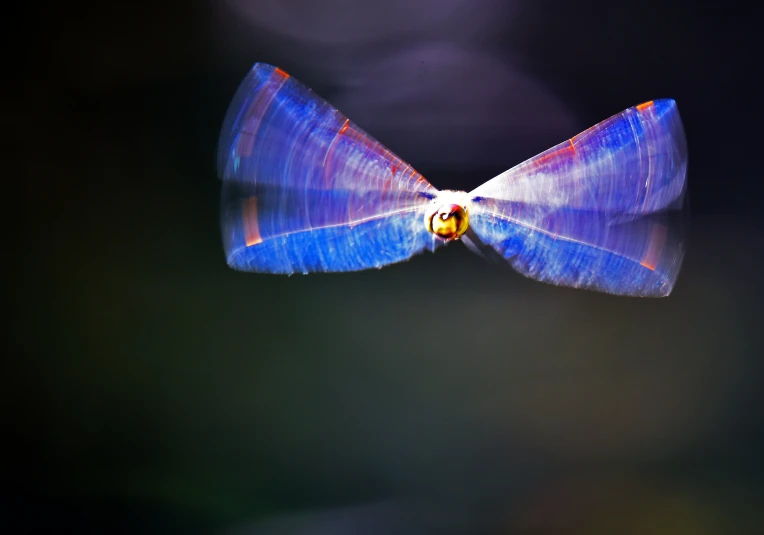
<point>150,389</point>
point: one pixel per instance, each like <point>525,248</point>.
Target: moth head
<point>447,221</point>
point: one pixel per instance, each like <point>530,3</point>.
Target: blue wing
<point>597,211</point>
<point>305,189</point>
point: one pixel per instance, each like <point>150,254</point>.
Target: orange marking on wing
<point>655,247</point>
<point>345,126</point>
<point>281,73</point>
<point>249,220</point>
<point>395,167</point>
<point>551,155</point>
<point>644,106</point>
<point>349,132</point>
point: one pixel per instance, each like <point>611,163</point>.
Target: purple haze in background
<point>426,78</point>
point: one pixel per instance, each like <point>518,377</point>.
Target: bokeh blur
<point>147,388</point>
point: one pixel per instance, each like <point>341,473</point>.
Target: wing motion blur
<point>305,189</point>
<point>599,211</point>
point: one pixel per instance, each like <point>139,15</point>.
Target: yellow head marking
<point>447,221</point>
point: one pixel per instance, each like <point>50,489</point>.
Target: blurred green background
<point>149,388</point>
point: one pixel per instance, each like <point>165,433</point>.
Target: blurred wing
<point>632,163</point>
<point>595,211</point>
<point>305,189</point>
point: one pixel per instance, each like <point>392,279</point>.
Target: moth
<point>307,190</point>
